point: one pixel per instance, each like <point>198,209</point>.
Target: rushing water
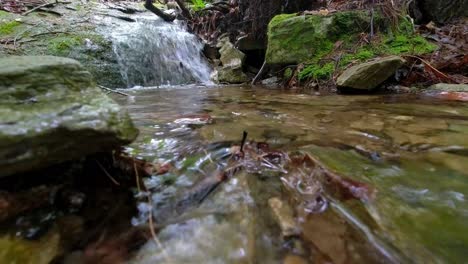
<point>413,151</point>
<point>152,52</point>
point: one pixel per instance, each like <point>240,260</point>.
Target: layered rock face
<point>52,111</point>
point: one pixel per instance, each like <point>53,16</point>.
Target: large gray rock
<point>369,75</point>
<point>443,11</point>
<point>52,111</point>
<point>449,87</point>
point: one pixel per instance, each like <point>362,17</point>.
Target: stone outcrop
<point>232,60</point>
<point>52,111</point>
<point>371,74</point>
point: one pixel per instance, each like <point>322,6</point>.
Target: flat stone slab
<point>371,74</point>
<point>449,87</point>
<point>52,111</point>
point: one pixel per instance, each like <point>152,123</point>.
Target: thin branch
<point>38,7</point>
<point>166,17</point>
<point>185,12</point>
<point>107,174</point>
<point>113,91</point>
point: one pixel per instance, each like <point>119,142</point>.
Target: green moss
<point>408,44</point>
<point>63,44</point>
<point>294,38</point>
<point>364,54</point>
<point>287,73</point>
<point>317,72</point>
<point>7,28</point>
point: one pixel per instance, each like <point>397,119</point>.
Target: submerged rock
<point>449,87</point>
<point>284,215</point>
<point>369,75</point>
<point>52,111</point>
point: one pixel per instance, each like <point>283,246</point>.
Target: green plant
<point>317,72</point>
<point>198,4</point>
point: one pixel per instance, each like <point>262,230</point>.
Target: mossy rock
<point>52,111</point>
<point>294,39</point>
<point>311,39</point>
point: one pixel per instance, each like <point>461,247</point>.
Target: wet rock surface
<point>77,30</point>
<point>52,111</point>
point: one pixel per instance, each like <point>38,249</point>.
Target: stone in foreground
<point>449,87</point>
<point>370,75</point>
<point>52,111</point>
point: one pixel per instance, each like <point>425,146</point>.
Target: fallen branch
<point>38,7</point>
<point>259,74</point>
<point>124,18</point>
<point>112,90</point>
<point>166,17</point>
<point>438,73</point>
<point>185,11</point>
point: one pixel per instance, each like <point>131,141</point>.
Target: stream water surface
<point>412,150</point>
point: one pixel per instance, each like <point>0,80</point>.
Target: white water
<point>152,52</point>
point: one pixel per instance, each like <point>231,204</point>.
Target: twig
<point>136,176</point>
<point>50,32</point>
<point>38,7</point>
<point>432,68</point>
<point>112,90</point>
<point>372,20</point>
<point>244,138</point>
<point>107,174</point>
<point>259,74</point>
<point>150,217</point>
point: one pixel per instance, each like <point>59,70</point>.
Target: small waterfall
<point>152,52</point>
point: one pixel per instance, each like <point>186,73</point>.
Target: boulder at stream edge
<point>52,111</point>
<point>371,74</point>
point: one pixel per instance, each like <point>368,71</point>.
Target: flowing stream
<point>412,150</point>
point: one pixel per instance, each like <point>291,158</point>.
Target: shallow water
<point>412,150</point>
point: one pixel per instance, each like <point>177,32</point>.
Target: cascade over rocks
<point>369,75</point>
<point>52,111</point>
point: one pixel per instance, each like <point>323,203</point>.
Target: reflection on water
<point>413,151</point>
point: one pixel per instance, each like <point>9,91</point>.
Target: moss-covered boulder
<point>52,111</point>
<point>296,38</point>
<point>371,74</point>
